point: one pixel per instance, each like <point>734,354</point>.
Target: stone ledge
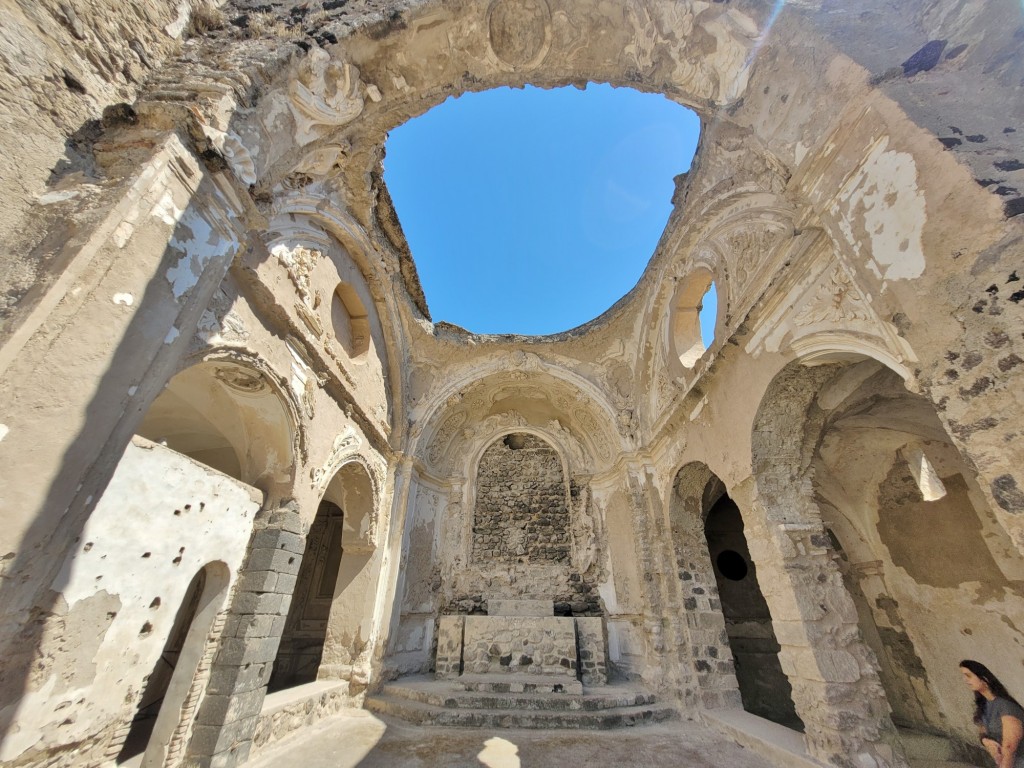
<point>776,743</point>
<point>286,711</point>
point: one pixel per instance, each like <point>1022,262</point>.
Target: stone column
<point>708,649</point>
<point>248,647</point>
<point>836,688</point>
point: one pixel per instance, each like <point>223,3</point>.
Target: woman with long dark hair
<point>1000,719</point>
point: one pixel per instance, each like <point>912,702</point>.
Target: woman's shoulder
<point>1000,707</point>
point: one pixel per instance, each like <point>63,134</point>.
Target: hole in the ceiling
<point>533,211</point>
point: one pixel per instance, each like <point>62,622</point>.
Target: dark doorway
<point>302,645</point>
<point>764,687</point>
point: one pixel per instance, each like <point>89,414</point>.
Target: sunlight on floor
<point>499,753</point>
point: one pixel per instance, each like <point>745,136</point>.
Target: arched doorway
<point>764,687</point>
<point>302,644</point>
<point>330,620</point>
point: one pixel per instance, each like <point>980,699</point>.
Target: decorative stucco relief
<point>346,444</point>
<point>519,31</point>
<point>325,94</point>
<point>300,262</point>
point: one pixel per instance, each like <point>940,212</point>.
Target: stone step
<point>451,697</point>
<point>427,714</point>
<point>519,684</point>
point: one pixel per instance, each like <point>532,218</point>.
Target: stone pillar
<point>448,664</point>
<point>836,687</point>
<point>259,608</point>
<point>708,649</point>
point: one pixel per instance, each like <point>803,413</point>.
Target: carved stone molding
<point>345,444</point>
<point>240,380</point>
<point>300,262</point>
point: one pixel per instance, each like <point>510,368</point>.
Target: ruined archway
<point>229,416</point>
<point>884,472</point>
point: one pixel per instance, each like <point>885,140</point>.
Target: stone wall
<point>521,512</point>
<point>519,644</point>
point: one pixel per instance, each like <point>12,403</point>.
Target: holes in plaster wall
<point>694,316</point>
<point>350,321</point>
<point>155,604</point>
<point>146,629</point>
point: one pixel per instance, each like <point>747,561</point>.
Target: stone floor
<point>359,738</point>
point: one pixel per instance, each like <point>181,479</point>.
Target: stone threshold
<point>776,743</point>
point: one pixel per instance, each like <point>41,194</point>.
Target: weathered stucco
<point>202,254</point>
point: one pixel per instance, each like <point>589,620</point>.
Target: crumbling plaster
<point>826,201</point>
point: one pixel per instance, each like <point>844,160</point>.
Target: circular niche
<point>732,565</point>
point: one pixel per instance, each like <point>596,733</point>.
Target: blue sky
<point>532,211</point>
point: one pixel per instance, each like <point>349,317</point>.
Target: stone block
<point>286,520</point>
<point>255,627</point>
<point>238,651</point>
<point>448,664</point>
<point>258,581</point>
<point>260,603</point>
<point>278,560</point>
<point>286,583</point>
<point>590,638</point>
<point>502,607</point>
<point>519,644</point>
<point>235,679</point>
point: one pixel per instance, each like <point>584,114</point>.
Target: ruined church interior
<point>250,487</point>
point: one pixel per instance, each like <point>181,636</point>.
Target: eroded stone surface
<point>215,265</point>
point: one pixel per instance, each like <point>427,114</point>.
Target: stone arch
<point>175,685</point>
<point>833,674</point>
<point>516,391</point>
<point>694,491</point>
<point>883,470</point>
<point>330,93</point>
<point>229,414</point>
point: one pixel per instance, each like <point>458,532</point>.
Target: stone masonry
<point>521,512</point>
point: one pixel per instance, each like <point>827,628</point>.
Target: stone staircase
<point>485,701</point>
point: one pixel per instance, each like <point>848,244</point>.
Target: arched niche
<point>350,321</point>
<point>329,624</point>
<point>228,416</point>
<point>174,687</point>
<point>521,510</point>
